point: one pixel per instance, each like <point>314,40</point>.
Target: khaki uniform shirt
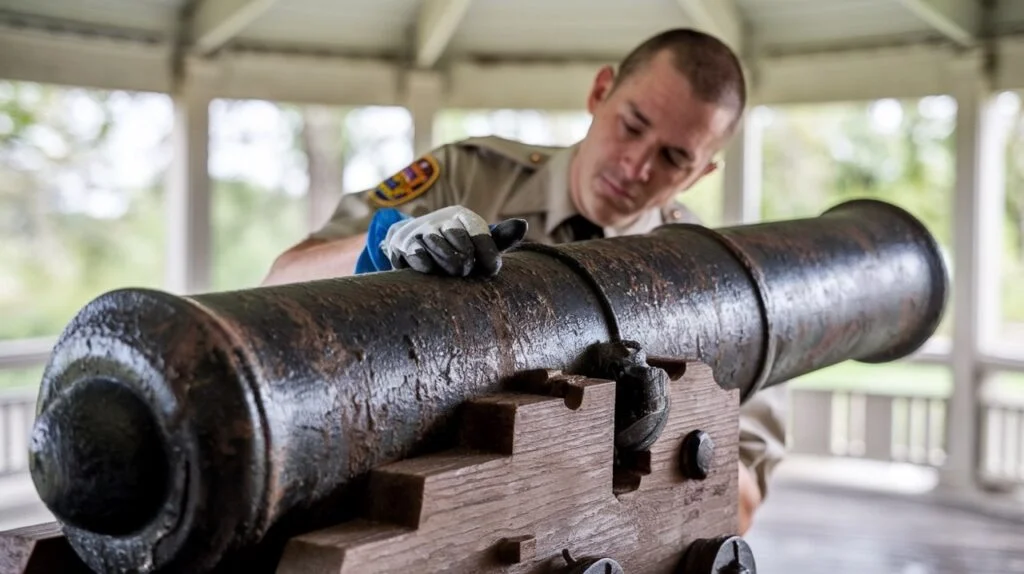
<point>498,179</point>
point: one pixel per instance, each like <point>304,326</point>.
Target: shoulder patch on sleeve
<point>411,182</point>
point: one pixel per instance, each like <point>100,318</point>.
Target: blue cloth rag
<point>373,259</point>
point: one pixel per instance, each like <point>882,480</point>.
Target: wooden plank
<point>38,549</point>
<point>546,484</point>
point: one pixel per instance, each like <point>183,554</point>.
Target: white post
<point>743,172</point>
<point>320,204</point>
<point>323,143</point>
<point>992,191</point>
<point>423,99</point>
<point>977,208</point>
<point>188,196</point>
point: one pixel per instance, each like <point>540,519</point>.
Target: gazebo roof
<point>520,29</point>
<point>240,47</point>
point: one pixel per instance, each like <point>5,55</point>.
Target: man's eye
<point>629,128</point>
<point>673,159</point>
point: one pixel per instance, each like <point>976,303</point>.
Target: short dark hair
<point>712,68</point>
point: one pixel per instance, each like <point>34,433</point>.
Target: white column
<point>320,203</point>
<point>322,140</point>
<point>188,196</point>
<point>977,208</point>
<point>743,173</point>
<point>995,133</point>
<point>423,91</point>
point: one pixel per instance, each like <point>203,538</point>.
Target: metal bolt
<point>735,566</point>
<point>698,455</point>
<point>724,555</point>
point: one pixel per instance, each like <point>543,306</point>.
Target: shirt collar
<point>547,192</point>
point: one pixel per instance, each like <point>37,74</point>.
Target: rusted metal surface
<point>268,406</point>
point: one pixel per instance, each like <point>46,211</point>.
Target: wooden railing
<point>910,429</point>
<point>17,412</point>
<point>1001,461</point>
<point>871,426</point>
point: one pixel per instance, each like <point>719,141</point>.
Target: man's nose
<point>637,162</point>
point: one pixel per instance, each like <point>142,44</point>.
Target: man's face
<point>650,138</point>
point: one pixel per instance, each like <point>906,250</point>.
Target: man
<point>658,122</point>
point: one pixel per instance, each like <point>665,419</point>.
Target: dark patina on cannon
<point>173,431</point>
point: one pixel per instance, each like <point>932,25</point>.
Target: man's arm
<point>315,258</point>
<point>749,498</point>
<point>762,444</point>
<point>425,185</point>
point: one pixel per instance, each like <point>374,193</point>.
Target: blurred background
<point>183,145</point>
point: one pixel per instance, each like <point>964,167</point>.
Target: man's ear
<point>708,170</point>
<point>603,83</point>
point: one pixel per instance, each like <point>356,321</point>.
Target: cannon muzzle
<point>175,430</point>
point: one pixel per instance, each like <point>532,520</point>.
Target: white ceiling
<point>156,17</point>
<point>797,25</point>
<point>500,53</point>
<point>563,28</point>
<point>516,29</point>
<point>1011,17</point>
<point>378,27</point>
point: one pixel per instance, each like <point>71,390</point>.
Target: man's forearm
<point>749,498</point>
<point>316,259</point>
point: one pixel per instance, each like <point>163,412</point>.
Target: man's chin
<point>607,214</point>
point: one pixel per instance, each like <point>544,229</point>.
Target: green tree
<point>67,231</point>
<point>1015,183</point>
<point>818,156</point>
<point>1013,260</point>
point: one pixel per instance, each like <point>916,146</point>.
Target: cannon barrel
<point>172,431</point>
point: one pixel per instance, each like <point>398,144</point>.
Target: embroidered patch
<point>408,184</point>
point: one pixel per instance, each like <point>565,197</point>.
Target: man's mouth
<point>617,190</point>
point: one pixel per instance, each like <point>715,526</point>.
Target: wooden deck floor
<point>811,529</point>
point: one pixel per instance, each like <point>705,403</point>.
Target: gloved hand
<point>450,241</point>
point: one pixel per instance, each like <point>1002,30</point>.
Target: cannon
<point>175,433</point>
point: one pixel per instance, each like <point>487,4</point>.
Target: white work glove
<point>451,241</point>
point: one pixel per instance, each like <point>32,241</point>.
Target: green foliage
<point>1013,249</point>
<point>55,254</point>
<point>19,379</point>
<point>903,379</point>
<point>704,199</point>
<point>816,157</point>
<point>251,226</point>
<point>47,279</point>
